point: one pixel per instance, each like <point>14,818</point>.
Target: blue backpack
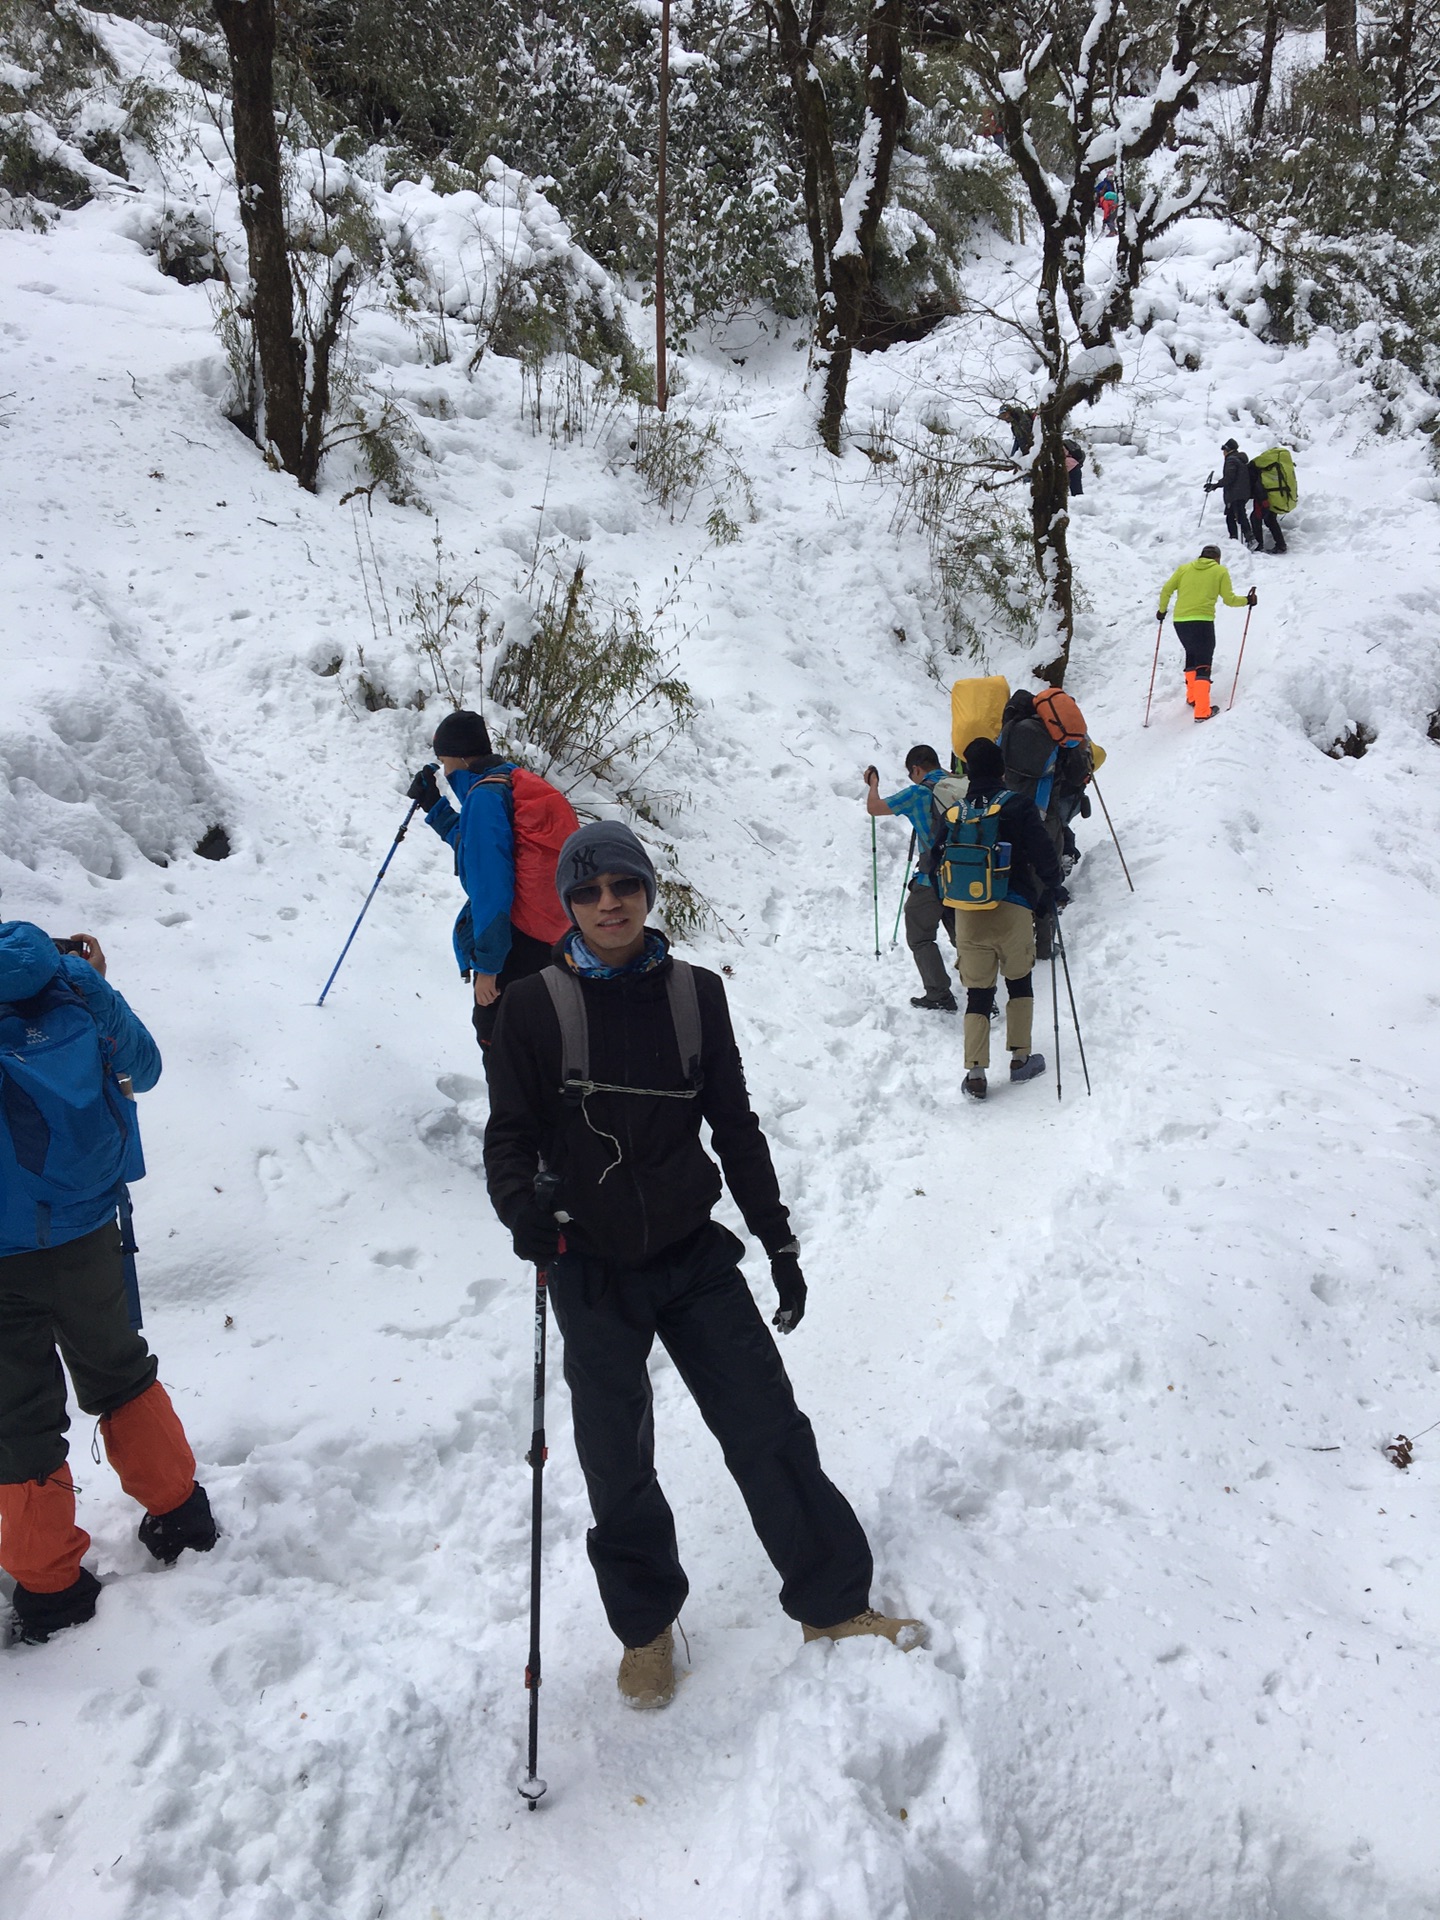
<point>69,1139</point>
<point>975,862</point>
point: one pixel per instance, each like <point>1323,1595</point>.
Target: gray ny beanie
<point>602,846</point>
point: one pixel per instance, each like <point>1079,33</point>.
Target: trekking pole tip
<point>532,1789</point>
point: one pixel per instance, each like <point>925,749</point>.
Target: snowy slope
<point>1107,1380</point>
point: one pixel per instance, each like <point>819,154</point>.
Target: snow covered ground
<point>1107,1380</point>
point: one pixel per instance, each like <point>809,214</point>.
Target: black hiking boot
<point>191,1524</point>
<point>38,1615</point>
<point>936,1002</point>
<point>1030,1068</point>
<point>974,1084</point>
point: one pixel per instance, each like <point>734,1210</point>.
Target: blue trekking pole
<point>404,824</point>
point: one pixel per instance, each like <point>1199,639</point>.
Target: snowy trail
<point>1072,1363</point>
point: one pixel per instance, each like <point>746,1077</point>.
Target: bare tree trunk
<point>842,230</point>
<point>854,249</point>
<point>1264,79</point>
<point>1402,56</point>
<point>317,400</point>
<point>249,29</point>
<point>1340,39</point>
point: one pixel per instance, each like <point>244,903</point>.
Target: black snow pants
<point>527,955</point>
<point>695,1299</point>
<point>1262,516</point>
<point>1197,637</point>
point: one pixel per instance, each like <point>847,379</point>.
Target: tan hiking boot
<point>647,1674</point>
<point>906,1634</point>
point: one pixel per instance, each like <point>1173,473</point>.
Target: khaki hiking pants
<point>988,942</point>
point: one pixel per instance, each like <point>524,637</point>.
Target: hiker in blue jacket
<point>924,915</point>
<point>72,1056</point>
<point>511,917</point>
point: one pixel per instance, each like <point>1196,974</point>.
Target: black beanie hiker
<point>984,763</point>
<point>461,735</point>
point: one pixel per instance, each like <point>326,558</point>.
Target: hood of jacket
<point>29,958</point>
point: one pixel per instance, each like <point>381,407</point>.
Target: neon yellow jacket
<point>1197,585</point>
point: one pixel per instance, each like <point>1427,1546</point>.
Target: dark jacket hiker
<point>588,1082</point>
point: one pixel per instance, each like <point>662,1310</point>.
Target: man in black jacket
<point>601,1072</point>
<point>1001,936</point>
<point>1234,483</point>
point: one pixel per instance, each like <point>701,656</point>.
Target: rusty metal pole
<point>660,206</point>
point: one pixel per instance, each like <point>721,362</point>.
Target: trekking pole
<point>875,881</point>
<point>414,808</point>
<point>909,862</point>
<point>1079,1041</point>
<point>532,1787</point>
<point>1205,499</point>
<point>1111,824</point>
<point>1153,665</point>
<point>1055,1002</point>
<point>1236,681</point>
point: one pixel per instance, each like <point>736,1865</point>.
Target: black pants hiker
<point>1197,637</point>
<point>1262,516</point>
<point>695,1299</point>
<point>1237,521</point>
<point>527,955</point>
<point>66,1301</point>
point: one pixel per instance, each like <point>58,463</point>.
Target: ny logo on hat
<point>584,859</point>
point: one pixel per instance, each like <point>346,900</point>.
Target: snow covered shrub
<point>979,540</point>
<point>567,94</point>
<point>1342,189</point>
<point>445,623</point>
<point>591,690</point>
<point>676,458</point>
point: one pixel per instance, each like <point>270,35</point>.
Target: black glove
<point>790,1285</point>
<point>1211,485</point>
<point>1160,619</point>
<point>1250,599</point>
<point>424,788</point>
<point>534,1233</point>
<point>1052,904</point>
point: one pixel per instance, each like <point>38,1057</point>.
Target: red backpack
<point>1061,714</point>
<point>542,820</point>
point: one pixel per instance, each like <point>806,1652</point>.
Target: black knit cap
<point>461,736</point>
<point>984,762</point>
<point>1230,446</point>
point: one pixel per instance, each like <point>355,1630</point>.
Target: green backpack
<point>1275,471</point>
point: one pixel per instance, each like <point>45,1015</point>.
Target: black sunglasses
<point>625,888</point>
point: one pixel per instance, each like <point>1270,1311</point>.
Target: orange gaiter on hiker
<point>1202,696</point>
<point>40,1544</point>
<point>147,1447</point>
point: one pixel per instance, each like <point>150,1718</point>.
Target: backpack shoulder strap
<point>569,1003</point>
<point>685,1012</point>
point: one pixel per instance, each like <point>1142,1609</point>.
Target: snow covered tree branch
<point>1080,90</point>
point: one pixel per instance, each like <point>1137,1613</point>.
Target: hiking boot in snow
<point>647,1674</point>
<point>1027,1068</point>
<point>935,1002</point>
<point>191,1524</point>
<point>906,1634</point>
<point>1201,718</point>
<point>974,1084</point>
<point>38,1615</point>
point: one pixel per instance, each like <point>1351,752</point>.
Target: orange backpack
<point>542,820</point>
<point>1061,714</point>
